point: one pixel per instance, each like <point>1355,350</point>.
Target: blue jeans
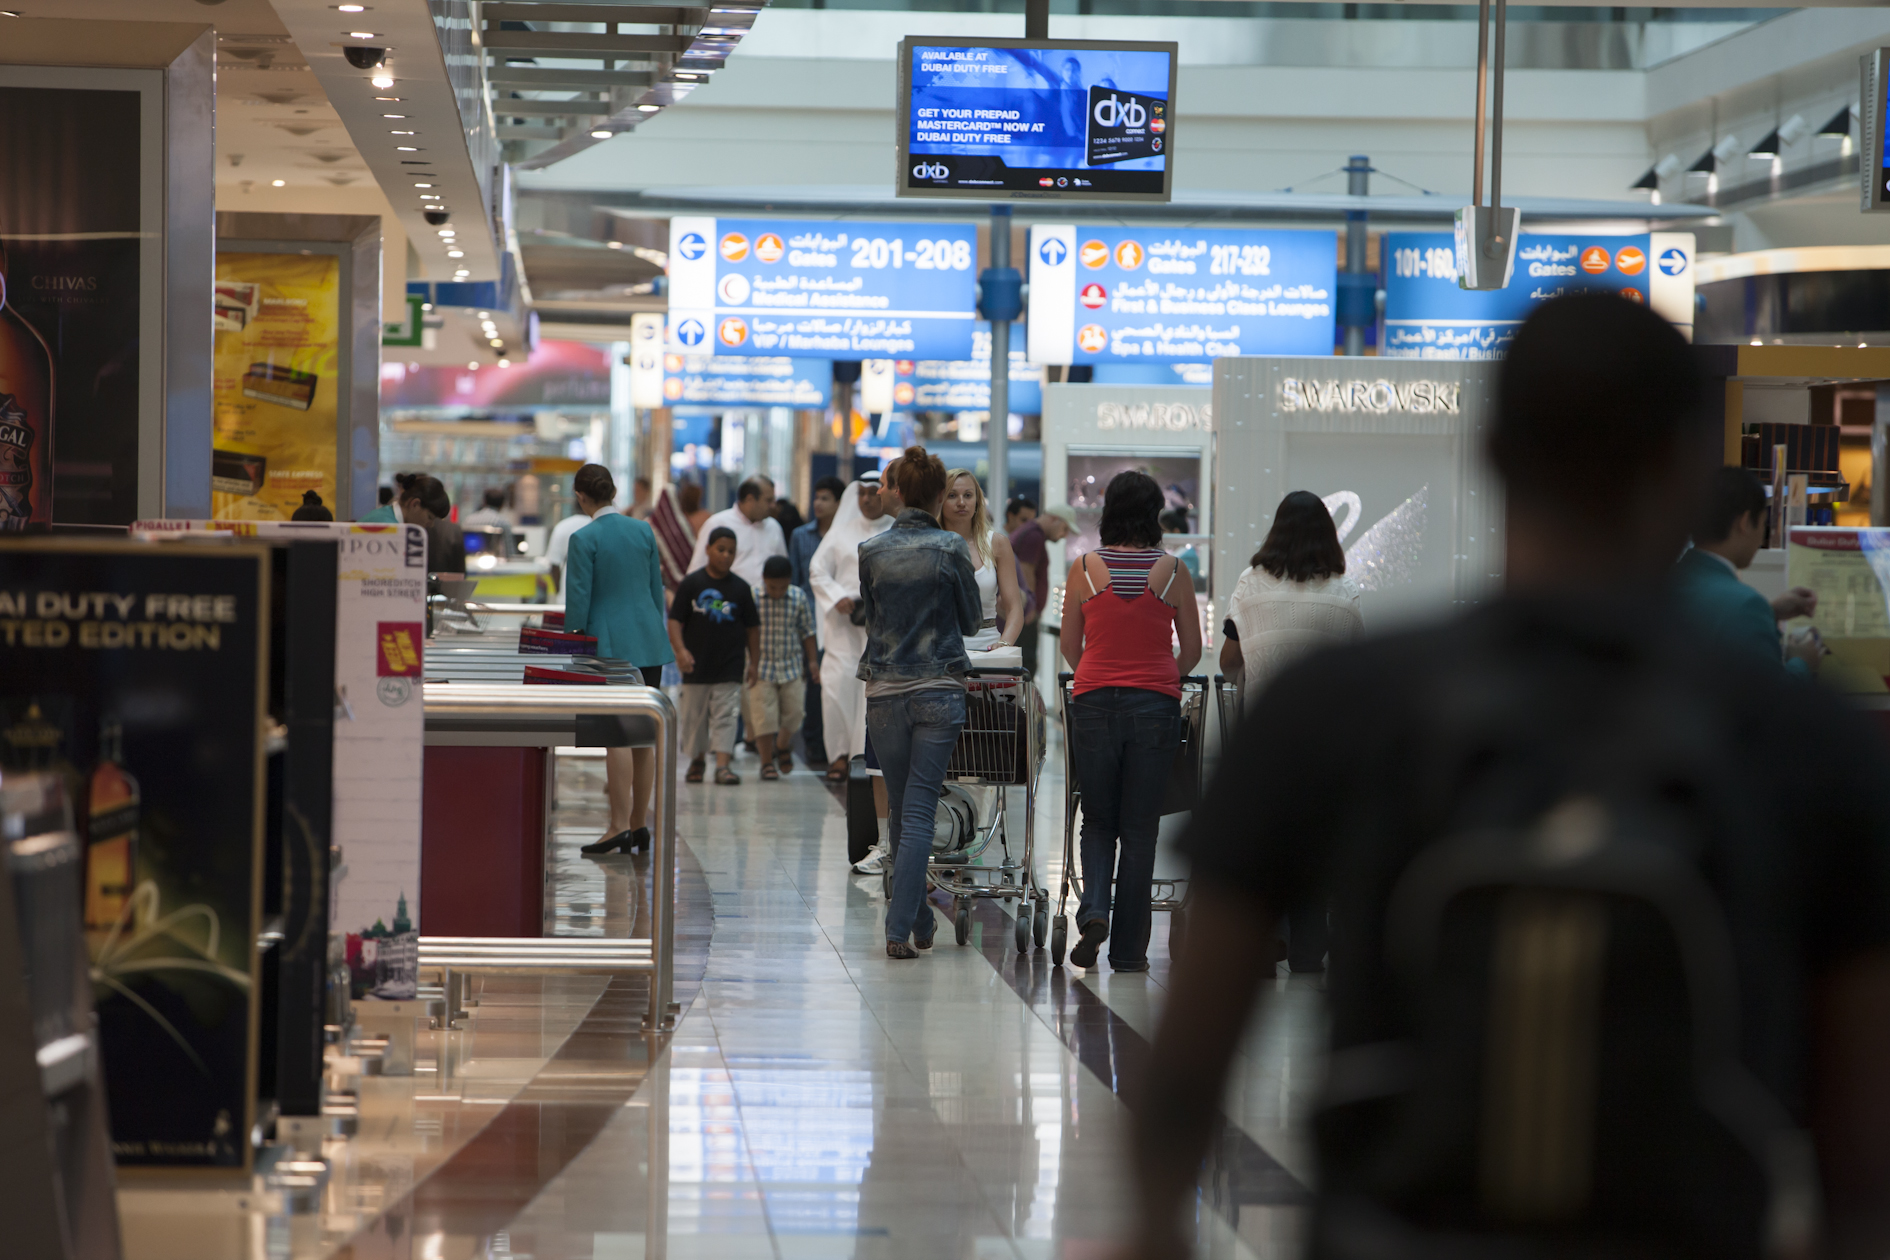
<point>913,736</point>
<point>1124,740</point>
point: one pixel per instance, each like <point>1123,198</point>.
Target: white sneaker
<point>874,862</point>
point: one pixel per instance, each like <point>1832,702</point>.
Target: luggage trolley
<point>1001,746</point>
<point>1184,791</point>
<point>1227,701</point>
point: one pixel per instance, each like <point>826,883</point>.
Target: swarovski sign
<point>1172,417</point>
<point>1380,396</point>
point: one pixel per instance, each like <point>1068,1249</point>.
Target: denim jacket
<point>919,596</point>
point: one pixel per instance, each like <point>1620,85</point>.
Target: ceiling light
<point>505,363</point>
<point>278,183</point>
<point>485,315</point>
<point>649,109</point>
<point>403,133</point>
<point>382,80</point>
<point>429,196</point>
<point>473,366</point>
<point>614,244</point>
<point>494,342</point>
<point>426,306</point>
<point>455,253</point>
<point>352,8</point>
<point>601,134</point>
<point>393,115</point>
<point>448,232</point>
<point>362,35</point>
<point>423,185</point>
<point>390,98</point>
<point>405,148</point>
<point>9,13</point>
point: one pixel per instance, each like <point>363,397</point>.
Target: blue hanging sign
<point>1428,317</point>
<point>965,384</point>
<point>812,289</point>
<point>731,380</point>
<point>1175,295</point>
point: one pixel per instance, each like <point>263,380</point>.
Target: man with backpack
<point>1610,961</point>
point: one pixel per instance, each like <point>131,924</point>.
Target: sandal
<point>769,774</point>
<point>837,772</point>
<point>696,768</point>
<point>725,777</point>
<point>786,762</point>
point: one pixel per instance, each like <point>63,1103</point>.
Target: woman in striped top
<point>1123,611</point>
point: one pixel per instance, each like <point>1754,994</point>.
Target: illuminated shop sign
<point>1380,396</point>
<point>1176,417</point>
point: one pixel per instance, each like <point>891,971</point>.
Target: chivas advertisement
<point>278,355</point>
<point>69,298</point>
<point>135,671</point>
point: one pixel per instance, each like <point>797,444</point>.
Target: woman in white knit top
<point>1294,599</point>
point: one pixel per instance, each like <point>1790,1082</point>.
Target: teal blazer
<point>382,515</point>
<point>1727,611</point>
<point>613,588</point>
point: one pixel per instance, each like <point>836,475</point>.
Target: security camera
<point>437,218</point>
<point>363,58</point>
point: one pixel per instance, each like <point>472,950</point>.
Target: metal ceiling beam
<point>510,108</point>
<point>573,44</point>
<point>555,78</point>
<point>637,14</point>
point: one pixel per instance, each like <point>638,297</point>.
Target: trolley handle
<point>1201,680</point>
<point>997,671</point>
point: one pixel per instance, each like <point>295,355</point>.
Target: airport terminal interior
<point>423,420</point>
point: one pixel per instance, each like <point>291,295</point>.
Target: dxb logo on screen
<point>931,170</point>
<point>1110,112</point>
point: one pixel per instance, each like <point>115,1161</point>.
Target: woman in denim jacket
<point>919,601</point>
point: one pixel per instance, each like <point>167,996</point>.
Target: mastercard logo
<point>1128,255</point>
<point>1632,295</point>
<point>1094,254</point>
<point>672,389</point>
<point>1630,261</point>
<point>1595,260</point>
<point>768,248</point>
<point>1093,296</point>
<point>1092,338</point>
<point>734,247</point>
<point>1157,125</point>
<point>733,331</point>
<point>903,394</point>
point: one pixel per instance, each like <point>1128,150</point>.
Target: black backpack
<point>1559,933</point>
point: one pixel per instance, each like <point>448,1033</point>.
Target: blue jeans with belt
<point>913,736</point>
<point>1124,740</point>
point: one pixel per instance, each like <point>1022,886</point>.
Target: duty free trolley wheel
<point>1022,927</point>
<point>1040,922</point>
<point>1059,937</point>
<point>961,922</point>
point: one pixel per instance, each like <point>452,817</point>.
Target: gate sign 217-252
<point>822,290</point>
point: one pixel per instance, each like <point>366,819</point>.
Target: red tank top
<point>1128,642</point>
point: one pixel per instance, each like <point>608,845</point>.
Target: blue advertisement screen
<point>1427,316</point>
<point>1066,119</point>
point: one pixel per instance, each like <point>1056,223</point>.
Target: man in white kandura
<point>834,574</point>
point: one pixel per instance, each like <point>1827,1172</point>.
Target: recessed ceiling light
<point>9,13</point>
<point>352,8</point>
<point>601,134</point>
<point>426,306</point>
<point>455,253</point>
<point>485,315</point>
<point>505,363</point>
<point>362,35</point>
<point>382,80</point>
<point>423,185</point>
<point>494,342</point>
<point>429,196</point>
<point>473,366</point>
<point>393,115</point>
<point>278,183</point>
<point>649,109</point>
<point>403,133</point>
<point>405,148</point>
<point>614,244</point>
<point>390,98</point>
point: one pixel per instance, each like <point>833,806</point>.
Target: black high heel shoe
<point>640,841</point>
<point>620,841</point>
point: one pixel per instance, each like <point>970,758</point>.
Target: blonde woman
<point>965,514</point>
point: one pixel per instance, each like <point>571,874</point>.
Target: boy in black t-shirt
<point>713,621</point>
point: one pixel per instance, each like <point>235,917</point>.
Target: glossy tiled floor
<point>816,1099</point>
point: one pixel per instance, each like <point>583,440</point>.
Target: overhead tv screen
<point>1002,119</point>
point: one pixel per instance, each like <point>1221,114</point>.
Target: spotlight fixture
<point>429,196</point>
<point>613,244</point>
<point>382,81</point>
<point>403,133</point>
<point>362,35</point>
<point>455,253</point>
<point>494,342</point>
<point>649,109</point>
<point>390,98</point>
<point>402,116</point>
<point>423,185</point>
<point>405,148</point>
<point>449,231</point>
<point>351,8</point>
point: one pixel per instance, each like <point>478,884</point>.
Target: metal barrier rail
<point>502,704</point>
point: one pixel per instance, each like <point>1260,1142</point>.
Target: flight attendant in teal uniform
<point>614,591</point>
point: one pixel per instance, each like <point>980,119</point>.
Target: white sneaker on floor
<point>873,863</point>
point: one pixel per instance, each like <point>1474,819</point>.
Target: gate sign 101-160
<point>822,290</point>
<point>1178,295</point>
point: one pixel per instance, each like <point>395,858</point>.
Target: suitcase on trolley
<point>862,816</point>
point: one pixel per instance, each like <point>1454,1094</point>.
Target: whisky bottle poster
<point>71,249</point>
<point>145,662</point>
<point>380,733</point>
<point>276,388</point>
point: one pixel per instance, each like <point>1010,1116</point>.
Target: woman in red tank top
<point>1123,612</point>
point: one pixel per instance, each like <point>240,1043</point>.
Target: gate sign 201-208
<point>822,290</point>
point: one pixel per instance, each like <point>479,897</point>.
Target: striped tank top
<point>1129,568</point>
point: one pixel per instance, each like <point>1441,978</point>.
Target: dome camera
<point>437,217</point>
<point>364,58</point>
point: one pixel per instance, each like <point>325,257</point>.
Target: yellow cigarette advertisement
<point>278,350</point>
